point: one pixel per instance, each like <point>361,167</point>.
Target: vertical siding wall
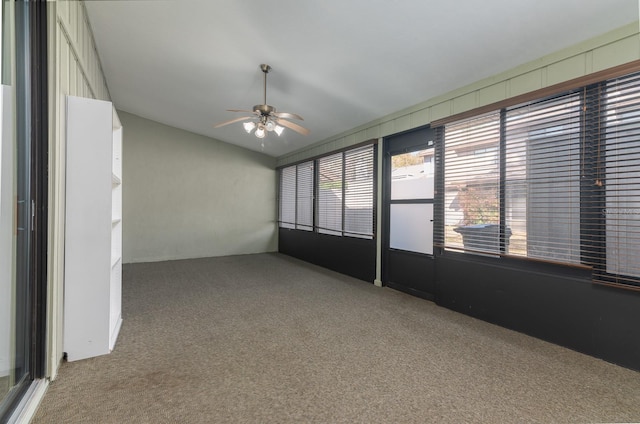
<point>609,50</point>
<point>74,69</point>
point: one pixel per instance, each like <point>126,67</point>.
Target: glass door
<point>22,176</point>
<point>409,198</point>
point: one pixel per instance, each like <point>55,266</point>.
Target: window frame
<point>316,227</point>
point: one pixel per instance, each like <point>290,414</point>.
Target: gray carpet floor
<point>269,339</point>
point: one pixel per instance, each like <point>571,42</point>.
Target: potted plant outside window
<point>480,229</point>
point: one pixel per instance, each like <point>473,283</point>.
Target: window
<point>304,196</point>
<point>288,197</point>
<point>411,199</point>
<point>557,179</point>
<point>472,181</point>
<point>542,179</point>
<point>358,192</point>
<point>330,194</point>
<point>296,197</point>
<point>344,187</point>
<point>345,193</point>
<point>618,166</point>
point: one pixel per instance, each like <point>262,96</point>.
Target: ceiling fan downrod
<point>265,69</point>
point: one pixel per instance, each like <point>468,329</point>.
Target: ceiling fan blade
<point>295,127</point>
<point>241,110</point>
<point>288,115</point>
<point>231,121</point>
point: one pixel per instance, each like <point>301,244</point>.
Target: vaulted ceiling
<point>337,63</point>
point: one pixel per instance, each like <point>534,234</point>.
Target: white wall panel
<point>386,128</point>
<point>570,68</point>
<point>493,93</point>
<point>617,53</point>
<point>373,132</point>
<point>526,83</point>
<point>465,102</point>
<point>402,123</point>
<point>442,109</point>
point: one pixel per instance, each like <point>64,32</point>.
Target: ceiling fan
<point>265,118</point>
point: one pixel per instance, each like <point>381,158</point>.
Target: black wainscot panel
<point>552,302</point>
<point>352,256</point>
<point>414,271</point>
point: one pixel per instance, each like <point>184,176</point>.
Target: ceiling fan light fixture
<point>264,117</point>
<point>249,126</point>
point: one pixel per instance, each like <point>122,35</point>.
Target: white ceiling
<point>338,63</point>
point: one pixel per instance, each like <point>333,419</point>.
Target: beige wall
<point>74,69</point>
<point>190,196</point>
<point>614,48</point>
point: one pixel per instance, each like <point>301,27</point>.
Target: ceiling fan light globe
<point>278,129</point>
<point>260,132</point>
<point>249,126</point>
<point>270,125</point>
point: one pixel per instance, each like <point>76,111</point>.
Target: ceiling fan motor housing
<point>264,110</point>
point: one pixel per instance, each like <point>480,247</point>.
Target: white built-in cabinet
<point>93,229</point>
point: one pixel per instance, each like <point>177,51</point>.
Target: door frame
<point>417,263</point>
<point>29,78</point>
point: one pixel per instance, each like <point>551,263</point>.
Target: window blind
<point>542,179</point>
<point>472,178</point>
<point>287,210</point>
<point>330,194</point>
<point>616,158</point>
<point>359,192</point>
<point>304,196</point>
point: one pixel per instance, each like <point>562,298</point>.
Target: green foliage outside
<point>480,204</point>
